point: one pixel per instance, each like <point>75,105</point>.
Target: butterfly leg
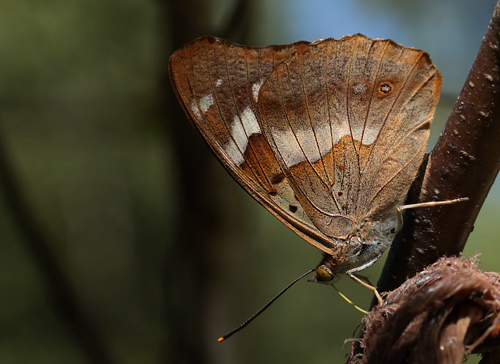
<point>430,204</point>
<point>352,274</point>
<point>424,204</point>
<point>363,278</point>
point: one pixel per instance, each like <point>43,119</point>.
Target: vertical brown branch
<point>197,229</point>
<point>184,291</point>
<point>464,163</point>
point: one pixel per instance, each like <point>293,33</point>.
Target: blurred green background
<point>98,150</point>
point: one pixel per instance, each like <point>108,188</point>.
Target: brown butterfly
<point>328,136</point>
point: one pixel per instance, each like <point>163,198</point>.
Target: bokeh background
<point>111,198</point>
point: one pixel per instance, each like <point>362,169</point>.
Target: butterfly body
<point>328,136</point>
<point>360,249</point>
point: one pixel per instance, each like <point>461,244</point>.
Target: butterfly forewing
<point>218,83</point>
<point>324,134</point>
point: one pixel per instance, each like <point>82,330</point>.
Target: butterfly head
<point>323,274</point>
<point>357,250</point>
<point>326,272</point>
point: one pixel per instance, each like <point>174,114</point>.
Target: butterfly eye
<point>323,274</point>
<point>385,89</point>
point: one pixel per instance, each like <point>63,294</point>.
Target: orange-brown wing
<point>348,121</point>
<point>217,83</point>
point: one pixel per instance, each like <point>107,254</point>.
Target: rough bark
<point>464,163</point>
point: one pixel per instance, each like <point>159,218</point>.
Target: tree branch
<point>199,227</point>
<point>464,163</point>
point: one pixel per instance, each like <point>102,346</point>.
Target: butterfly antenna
<point>349,301</point>
<point>250,319</point>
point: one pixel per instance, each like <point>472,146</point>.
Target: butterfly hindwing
<point>349,121</point>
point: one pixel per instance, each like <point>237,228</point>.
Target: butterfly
<point>328,136</point>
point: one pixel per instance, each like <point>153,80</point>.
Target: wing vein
<point>221,114</point>
<point>250,96</point>
<point>349,118</point>
<point>327,182</point>
<point>295,135</point>
<point>393,103</point>
<point>330,122</point>
<point>396,173</point>
<point>371,98</point>
<point>289,175</point>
